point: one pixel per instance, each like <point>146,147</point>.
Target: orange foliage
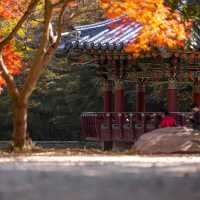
<point>12,60</point>
<point>9,9</point>
<point>162,27</point>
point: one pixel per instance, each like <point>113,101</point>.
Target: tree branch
<point>37,66</point>
<point>60,25</point>
<point>47,48</point>
<point>52,48</point>
<point>12,88</point>
<point>85,63</point>
<point>31,6</point>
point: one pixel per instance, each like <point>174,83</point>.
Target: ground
<point>100,176</point>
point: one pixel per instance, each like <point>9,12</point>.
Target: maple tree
<point>162,27</point>
<point>15,13</point>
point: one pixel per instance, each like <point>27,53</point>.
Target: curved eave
<point>113,34</point>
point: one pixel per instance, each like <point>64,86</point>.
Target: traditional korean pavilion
<point>105,42</point>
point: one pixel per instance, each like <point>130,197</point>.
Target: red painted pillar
<point>172,95</point>
<point>107,96</point>
<point>119,96</point>
<point>140,97</point>
<point>196,93</point>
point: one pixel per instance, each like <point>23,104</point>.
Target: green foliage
<point>55,107</point>
<point>59,99</point>
<point>189,8</point>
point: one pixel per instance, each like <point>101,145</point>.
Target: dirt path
<point>100,178</point>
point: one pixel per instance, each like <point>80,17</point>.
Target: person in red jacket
<point>167,120</point>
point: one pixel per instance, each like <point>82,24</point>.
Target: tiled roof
<point>109,34</point>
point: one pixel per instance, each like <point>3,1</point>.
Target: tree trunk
<point>20,122</point>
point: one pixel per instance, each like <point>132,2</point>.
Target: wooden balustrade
<point>124,126</point>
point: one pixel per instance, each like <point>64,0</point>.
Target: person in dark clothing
<point>195,119</point>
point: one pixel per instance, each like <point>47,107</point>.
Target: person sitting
<point>195,118</point>
<point>167,120</point>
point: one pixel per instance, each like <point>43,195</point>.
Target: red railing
<point>124,126</point>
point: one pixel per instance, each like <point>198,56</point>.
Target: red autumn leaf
<point>10,9</point>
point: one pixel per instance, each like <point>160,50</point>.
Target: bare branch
<point>56,38</point>
<point>31,6</point>
<point>85,63</point>
<point>12,88</point>
<point>51,34</point>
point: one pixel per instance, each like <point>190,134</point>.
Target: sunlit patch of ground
<point>90,156</point>
<point>61,152</point>
<point>90,174</point>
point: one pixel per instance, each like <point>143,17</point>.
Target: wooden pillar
<point>119,96</point>
<point>196,92</point>
<point>107,96</point>
<point>172,95</point>
<point>140,96</point>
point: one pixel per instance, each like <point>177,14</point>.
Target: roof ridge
<point>98,24</point>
